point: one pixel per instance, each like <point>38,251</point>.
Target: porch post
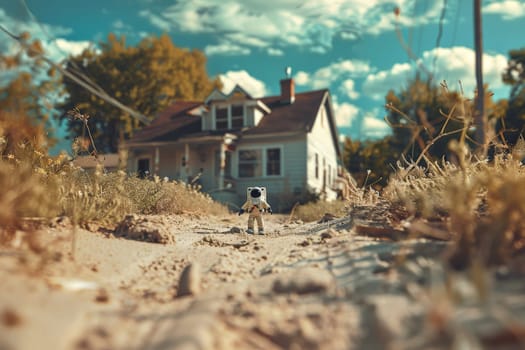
<point>156,161</point>
<point>222,165</point>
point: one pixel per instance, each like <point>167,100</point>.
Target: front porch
<point>204,161</point>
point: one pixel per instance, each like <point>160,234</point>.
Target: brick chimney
<point>288,88</point>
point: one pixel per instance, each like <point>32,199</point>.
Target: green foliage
<point>512,126</point>
<point>425,118</point>
<point>514,74</point>
<point>146,78</point>
<point>371,162</point>
<point>421,113</point>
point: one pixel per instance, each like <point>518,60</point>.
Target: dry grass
<point>314,211</point>
<point>36,185</point>
<point>480,202</point>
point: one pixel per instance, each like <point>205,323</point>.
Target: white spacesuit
<point>255,205</point>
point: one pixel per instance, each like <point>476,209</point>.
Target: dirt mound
<point>154,229</point>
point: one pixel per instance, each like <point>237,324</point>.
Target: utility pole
<point>479,113</point>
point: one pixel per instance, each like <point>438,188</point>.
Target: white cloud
<point>226,49</point>
<point>372,127</point>
<point>156,20</point>
<point>302,78</point>
<point>55,48</point>
<point>508,9</point>
<point>275,52</point>
<point>377,85</point>
<point>71,47</point>
<point>348,89</point>
<point>323,77</point>
<point>118,24</point>
<point>345,113</point>
<point>253,86</point>
<point>318,49</point>
<point>280,23</point>
<point>458,63</point>
<point>42,31</point>
<point>451,64</point>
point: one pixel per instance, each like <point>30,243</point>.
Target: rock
<point>190,281</point>
<point>304,281</point>
<point>330,233</point>
<point>10,318</point>
<point>236,229</point>
<point>326,218</point>
<point>306,242</point>
<point>102,296</point>
<point>145,228</point>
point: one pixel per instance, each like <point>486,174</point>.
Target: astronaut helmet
<point>256,194</point>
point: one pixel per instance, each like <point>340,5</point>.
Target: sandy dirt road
<point>300,286</point>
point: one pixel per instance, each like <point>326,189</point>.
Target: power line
<point>456,22</point>
<point>73,66</point>
<point>440,34</point>
<point>99,93</point>
<point>420,28</point>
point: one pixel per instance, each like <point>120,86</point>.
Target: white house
<point>288,143</point>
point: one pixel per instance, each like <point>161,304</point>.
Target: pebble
<point>190,281</point>
<point>236,229</point>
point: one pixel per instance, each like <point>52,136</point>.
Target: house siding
<point>207,119</point>
<point>320,142</point>
<point>286,128</point>
<point>292,181</point>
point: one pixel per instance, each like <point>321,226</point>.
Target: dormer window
<point>229,117</point>
<point>237,116</point>
<point>221,118</point>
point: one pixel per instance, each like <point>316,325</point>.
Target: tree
<point>418,115</point>
<point>26,100</point>
<point>512,126</point>
<point>371,162</point>
<point>426,117</point>
<point>146,77</point>
<point>514,74</point>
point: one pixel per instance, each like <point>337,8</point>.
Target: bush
<point>36,185</point>
<point>480,202</point>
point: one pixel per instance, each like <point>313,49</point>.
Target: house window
<point>260,162</point>
<point>273,161</point>
<point>316,166</point>
<point>221,118</point>
<point>229,117</point>
<point>143,168</point>
<point>324,172</point>
<point>250,163</point>
<point>237,116</point>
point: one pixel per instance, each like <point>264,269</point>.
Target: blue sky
<point>348,46</point>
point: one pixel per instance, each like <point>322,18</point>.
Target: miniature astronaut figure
<point>255,205</point>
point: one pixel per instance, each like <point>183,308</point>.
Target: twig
<point>292,212</point>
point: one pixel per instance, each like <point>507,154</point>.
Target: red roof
<point>299,115</point>
<point>176,121</point>
<point>174,118</point>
